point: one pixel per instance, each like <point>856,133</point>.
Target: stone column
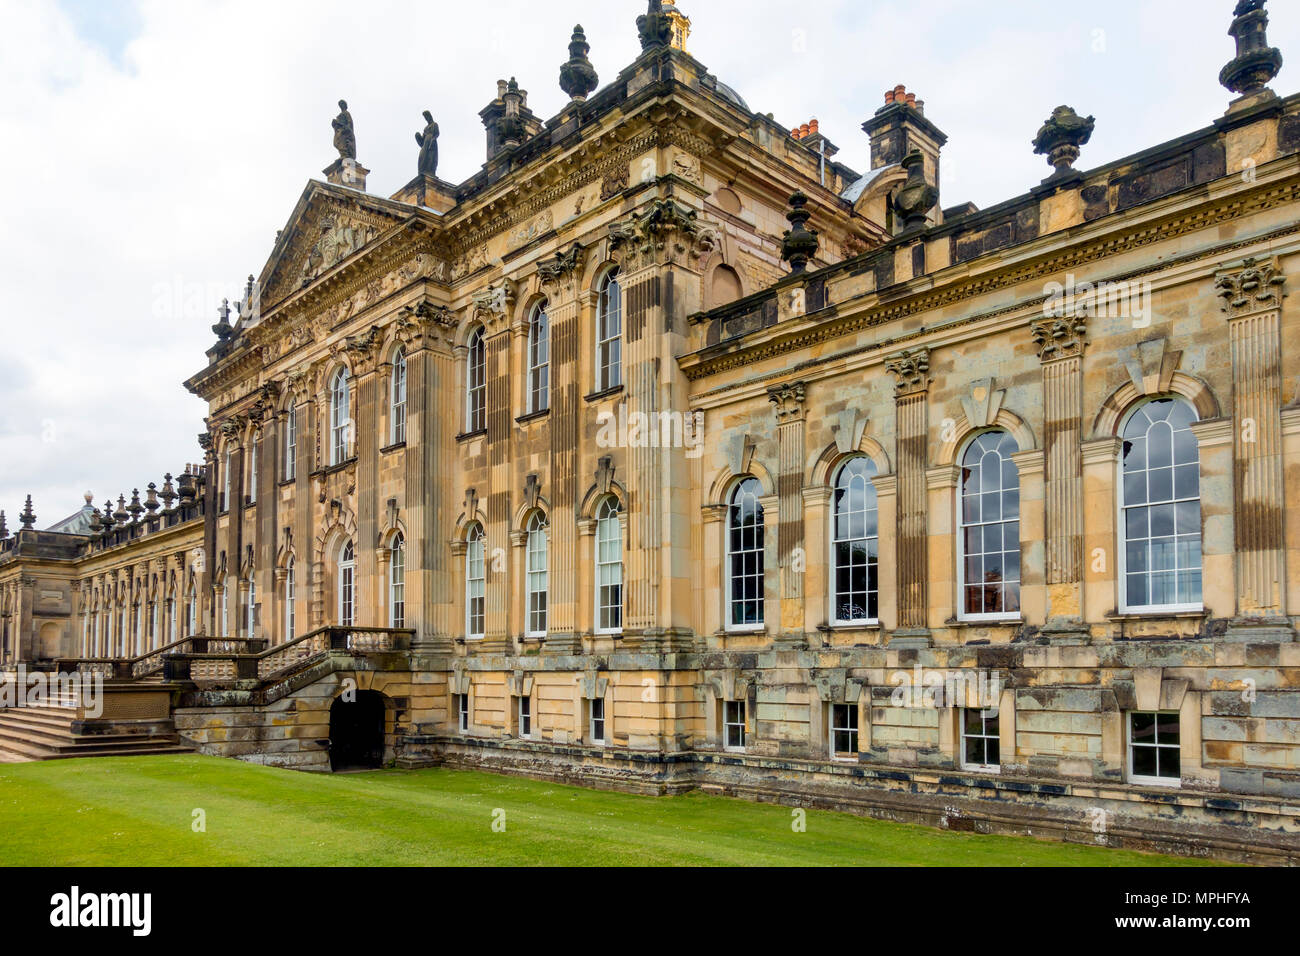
<point>1033,593</point>
<point>788,400</point>
<point>432,412</point>
<point>912,370</point>
<point>816,585</point>
<point>1100,460</point>
<point>568,313</point>
<point>1060,343</point>
<point>1251,296</point>
<point>1219,554</point>
<point>366,442</point>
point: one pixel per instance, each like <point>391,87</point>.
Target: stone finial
<point>345,138</point>
<point>108,520</point>
<point>168,494</point>
<point>654,27</point>
<point>513,128</point>
<point>916,197</point>
<point>223,330</point>
<point>151,503</point>
<point>96,524</point>
<point>4,528</point>
<point>121,515</point>
<point>1060,137</point>
<point>578,77</point>
<point>26,518</point>
<point>1256,63</point>
<point>135,507</point>
<point>800,243</point>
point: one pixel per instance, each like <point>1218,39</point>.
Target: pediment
<point>328,227</point>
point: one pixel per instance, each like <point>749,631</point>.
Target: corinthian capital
<point>1255,286</point>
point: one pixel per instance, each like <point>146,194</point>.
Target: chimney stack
<point>899,128</point>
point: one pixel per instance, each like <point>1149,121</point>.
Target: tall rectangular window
<point>733,724</point>
<point>291,444</point>
<point>609,334</point>
<point>525,716</point>
<point>253,457</point>
<point>398,409</point>
<point>844,730</point>
<point>597,724</point>
<point>462,712</point>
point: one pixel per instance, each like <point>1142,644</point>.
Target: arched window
<point>538,590</point>
<point>475,581</point>
<point>397,582</point>
<point>291,443</point>
<point>609,567</point>
<point>1161,514</point>
<point>397,411</point>
<point>745,556</point>
<point>290,596</point>
<point>609,333</point>
<point>855,538</point>
<point>539,360</point>
<point>476,383</point>
<point>347,584</point>
<point>988,545</point>
<point>250,622</point>
<point>340,417</point>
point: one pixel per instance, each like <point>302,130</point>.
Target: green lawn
<point>137,811</point>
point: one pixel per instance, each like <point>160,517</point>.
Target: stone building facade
<point>667,451</point>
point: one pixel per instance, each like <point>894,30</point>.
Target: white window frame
<point>226,468</point>
<point>255,447</point>
<point>251,610</point>
<point>290,597</point>
<point>475,583</point>
<point>985,716</point>
<point>524,703</point>
<point>870,620</point>
<point>397,582</point>
<point>833,728</point>
<point>539,359</point>
<point>1142,779</point>
<point>603,737</point>
<point>609,516</point>
<point>476,382</point>
<point>1122,528</point>
<point>397,400</point>
<point>347,584</point>
<point>291,444</point>
<point>340,416</point>
<point>731,553</point>
<point>462,712</point>
<point>962,525</point>
<point>537,574</point>
<point>728,723</point>
<point>609,332</point>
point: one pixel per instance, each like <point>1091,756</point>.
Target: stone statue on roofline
<point>428,140</point>
<point>345,138</point>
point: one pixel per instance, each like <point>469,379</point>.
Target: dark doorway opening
<point>357,732</point>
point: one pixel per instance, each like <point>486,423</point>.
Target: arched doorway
<point>357,732</point>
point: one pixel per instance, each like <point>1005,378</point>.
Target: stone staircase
<point>57,733</point>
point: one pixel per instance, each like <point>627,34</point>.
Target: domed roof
<point>732,96</point>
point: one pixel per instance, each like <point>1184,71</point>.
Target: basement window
<point>597,713</point>
<point>733,724</point>
<point>462,712</point>
<point>844,731</point>
<point>525,716</point>
<point>1154,752</point>
<point>981,739</point>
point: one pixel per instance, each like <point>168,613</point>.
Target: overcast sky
<point>149,151</point>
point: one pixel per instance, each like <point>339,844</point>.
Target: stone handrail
<point>217,665</point>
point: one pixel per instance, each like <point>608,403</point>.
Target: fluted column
<point>1251,296</point>
<point>912,371</point>
<point>567,314</point>
<point>788,400</point>
<point>1060,343</point>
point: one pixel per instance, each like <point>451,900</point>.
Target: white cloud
<point>129,172</point>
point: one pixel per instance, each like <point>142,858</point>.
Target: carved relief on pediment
<point>469,263</point>
<point>526,232</point>
<point>338,238</point>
